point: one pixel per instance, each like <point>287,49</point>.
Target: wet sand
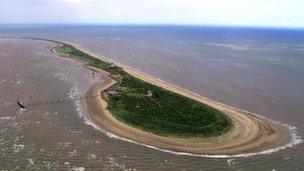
<point>266,82</point>
<point>251,132</point>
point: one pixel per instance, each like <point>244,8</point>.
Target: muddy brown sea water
<point>52,132</point>
<point>259,71</point>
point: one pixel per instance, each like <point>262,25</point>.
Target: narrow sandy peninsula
<point>249,133</point>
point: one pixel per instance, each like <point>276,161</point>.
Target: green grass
<point>165,113</point>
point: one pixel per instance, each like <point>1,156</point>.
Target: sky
<point>266,13</point>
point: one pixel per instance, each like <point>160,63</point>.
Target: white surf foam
<point>295,139</point>
<point>74,93</point>
<point>4,118</point>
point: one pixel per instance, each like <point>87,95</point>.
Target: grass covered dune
<point>147,110</point>
<point>162,112</point>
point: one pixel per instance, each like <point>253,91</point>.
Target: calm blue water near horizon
<point>255,69</point>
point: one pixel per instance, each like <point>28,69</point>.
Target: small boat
<point>21,105</point>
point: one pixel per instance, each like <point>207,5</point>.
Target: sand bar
<point>251,133</point>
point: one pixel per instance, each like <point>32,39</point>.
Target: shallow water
<point>259,71</point>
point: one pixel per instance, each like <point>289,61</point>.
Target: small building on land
<point>150,93</point>
<point>118,88</point>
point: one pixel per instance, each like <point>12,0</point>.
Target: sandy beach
<point>251,133</point>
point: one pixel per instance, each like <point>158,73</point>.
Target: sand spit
<point>251,133</point>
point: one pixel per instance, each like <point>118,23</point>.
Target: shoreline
<point>251,133</point>
<point>254,134</point>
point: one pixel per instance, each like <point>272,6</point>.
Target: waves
<point>295,140</point>
<point>77,90</point>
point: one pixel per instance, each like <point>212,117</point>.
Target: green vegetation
<point>162,112</point>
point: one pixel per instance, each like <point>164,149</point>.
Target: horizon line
<point>156,24</point>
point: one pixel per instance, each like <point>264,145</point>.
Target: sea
<point>260,70</point>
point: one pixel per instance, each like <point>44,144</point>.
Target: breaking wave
<point>75,91</point>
